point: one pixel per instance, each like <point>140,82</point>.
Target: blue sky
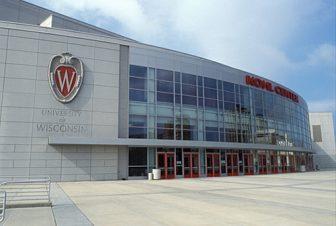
<point>289,41</point>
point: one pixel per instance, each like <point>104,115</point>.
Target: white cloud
<point>322,105</point>
<point>324,54</point>
<point>249,35</point>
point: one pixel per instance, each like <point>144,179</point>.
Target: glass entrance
<point>232,164</point>
<point>274,162</point>
<point>283,161</point>
<point>166,163</point>
<point>262,163</point>
<point>191,164</point>
<point>213,164</point>
<point>248,163</point>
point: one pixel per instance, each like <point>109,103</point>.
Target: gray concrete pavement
<point>283,199</point>
<point>35,216</point>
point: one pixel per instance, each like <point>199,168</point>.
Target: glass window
<point>228,86</point>
<point>188,90</point>
<point>163,133</point>
<point>177,99</point>
<point>137,95</point>
<point>210,93</point>
<point>138,71</point>
<point>137,161</point>
<point>228,96</point>
<point>188,100</point>
<point>165,97</point>
<point>165,122</point>
<point>210,82</point>
<point>138,120</point>
<point>188,79</point>
<point>164,75</point>
<point>137,132</point>
<point>177,77</point>
<point>165,86</point>
<point>137,83</point>
<point>200,80</point>
<point>210,103</point>
<point>177,88</point>
<point>228,106</point>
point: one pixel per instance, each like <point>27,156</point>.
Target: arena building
<point>82,103</point>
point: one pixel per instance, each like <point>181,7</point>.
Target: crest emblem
<point>65,76</point>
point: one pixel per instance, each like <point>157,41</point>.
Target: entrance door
<point>213,164</point>
<point>248,163</point>
<point>191,164</point>
<point>274,163</point>
<point>291,163</point>
<point>166,163</point>
<point>262,164</point>
<point>232,164</point>
<point>283,160</point>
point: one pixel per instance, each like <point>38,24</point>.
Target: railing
<point>2,205</point>
<point>26,192</point>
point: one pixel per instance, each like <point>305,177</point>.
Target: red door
<point>291,164</point>
<point>274,163</point>
<point>262,164</point>
<point>213,164</point>
<point>166,162</point>
<point>283,160</point>
<point>232,164</point>
<point>248,164</point>
<point>191,165</point>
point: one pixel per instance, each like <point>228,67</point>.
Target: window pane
<point>165,97</point>
<point>165,86</point>
<point>164,75</point>
<point>138,71</point>
<point>228,106</point>
<point>137,156</point>
<point>137,132</point>
<point>137,83</point>
<point>137,95</point>
<point>210,93</point>
<point>210,103</point>
<point>137,171</point>
<point>200,80</point>
<point>228,86</point>
<point>138,120</point>
<point>189,100</point>
<point>165,134</point>
<point>165,122</point>
<point>211,136</point>
<point>177,77</point>
<point>188,79</point>
<point>210,82</point>
<point>228,96</point>
<point>188,90</point>
<point>177,99</point>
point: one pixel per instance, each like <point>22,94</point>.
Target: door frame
<point>249,167</point>
<point>262,168</point>
<point>213,174</point>
<point>232,167</point>
<point>165,154</point>
<point>190,156</point>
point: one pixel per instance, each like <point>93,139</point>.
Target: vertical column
<point>123,92</point>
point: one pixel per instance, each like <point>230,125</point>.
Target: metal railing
<point>2,205</point>
<point>26,192</point>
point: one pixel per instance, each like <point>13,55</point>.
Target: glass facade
<point>173,105</point>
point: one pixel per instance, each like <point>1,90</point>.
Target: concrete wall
<point>29,113</point>
<point>325,156</point>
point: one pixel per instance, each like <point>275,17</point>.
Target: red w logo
<point>65,79</point>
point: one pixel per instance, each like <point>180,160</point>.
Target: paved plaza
<point>283,199</point>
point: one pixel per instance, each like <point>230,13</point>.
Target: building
<point>82,103</point>
<point>322,133</point>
